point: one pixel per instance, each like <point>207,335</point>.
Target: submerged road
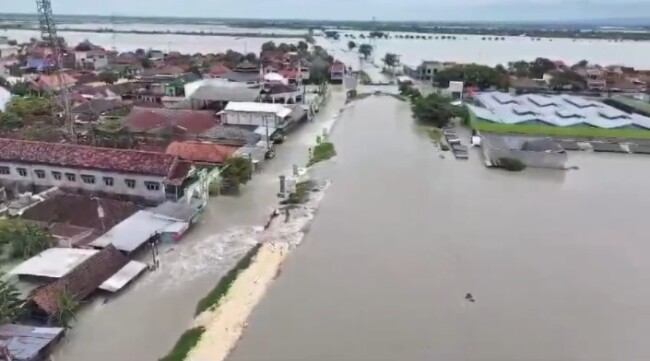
<point>556,261</point>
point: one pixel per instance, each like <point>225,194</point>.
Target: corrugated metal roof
<point>558,110</point>
<point>25,343</point>
<point>252,107</point>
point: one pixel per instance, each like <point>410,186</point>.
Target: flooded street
<point>146,319</point>
<point>555,260</point>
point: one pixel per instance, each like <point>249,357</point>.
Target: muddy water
<point>556,261</point>
<point>143,322</point>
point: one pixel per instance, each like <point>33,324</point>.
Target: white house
<point>259,114</point>
<point>8,50</point>
<point>148,175</point>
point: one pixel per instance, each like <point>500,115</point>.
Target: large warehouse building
<point>553,110</point>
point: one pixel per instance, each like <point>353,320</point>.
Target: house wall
<point>119,184</point>
<point>253,118</point>
<point>530,159</point>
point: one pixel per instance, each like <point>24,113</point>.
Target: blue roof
<point>557,110</point>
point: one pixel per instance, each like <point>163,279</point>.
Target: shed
<point>135,231</point>
<point>28,343</point>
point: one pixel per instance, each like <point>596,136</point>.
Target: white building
<point>147,175</point>
<point>259,114</point>
<point>8,50</point>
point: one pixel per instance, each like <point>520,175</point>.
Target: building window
<point>108,181</point>
<point>152,186</point>
<point>22,172</point>
<point>88,179</point>
<point>39,173</point>
<point>130,183</point>
<point>71,177</point>
<point>56,175</point>
<point>5,170</point>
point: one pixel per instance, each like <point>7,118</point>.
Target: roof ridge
<point>80,146</point>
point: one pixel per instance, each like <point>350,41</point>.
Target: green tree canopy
<point>432,110</point>
<point>29,106</point>
<point>26,240</point>
<point>284,47</point>
<point>480,76</point>
<point>269,46</point>
<point>109,77</point>
<point>351,45</point>
<point>237,171</point>
<point>303,46</point>
<point>390,59</point>
<point>365,50</point>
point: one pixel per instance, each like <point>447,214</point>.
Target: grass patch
<point>322,151</point>
<point>212,299</point>
<point>301,195</point>
<point>565,132</point>
<point>185,343</point>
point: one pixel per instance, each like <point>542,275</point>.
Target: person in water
<point>271,218</point>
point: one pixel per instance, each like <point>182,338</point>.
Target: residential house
<point>143,175</point>
<point>178,123</point>
<point>78,283</point>
<point>91,110</point>
<point>246,72</point>
<point>594,76</point>
<point>337,71</point>
<point>542,153</point>
<point>7,65</point>
<point>94,59</point>
<point>8,50</point>
<point>293,75</point>
<point>283,94</point>
<point>218,71</point>
<point>426,70</point>
<point>51,82</point>
<point>201,152</point>
<point>215,94</point>
<point>28,343</point>
<point>156,54</point>
<point>277,116</point>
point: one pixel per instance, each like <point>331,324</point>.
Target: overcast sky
<point>509,10</point>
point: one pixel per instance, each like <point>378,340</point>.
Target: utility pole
<point>49,35</point>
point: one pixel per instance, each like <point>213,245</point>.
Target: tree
<point>10,303</point>
<point>293,48</point>
<point>568,79</point>
<point>580,64</point>
<point>480,76</point>
<point>269,46</point>
<point>303,46</point>
<point>140,52</point>
<point>284,47</point>
<point>4,83</point>
<point>26,240</point>
<point>21,88</point>
<point>390,60</point>
<point>519,68</point>
<point>29,106</point>
<point>237,171</point>
<point>84,46</point>
<point>539,67</point>
<point>146,63</point>
<point>351,45</point>
<point>10,121</point>
<point>365,50</point>
<point>67,303</point>
<point>251,57</point>
<point>319,70</point>
<point>433,110</point>
<point>109,77</point>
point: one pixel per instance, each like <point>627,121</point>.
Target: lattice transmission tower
<point>49,35</point>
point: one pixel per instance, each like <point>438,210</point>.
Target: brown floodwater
<point>555,260</point>
<point>145,320</point>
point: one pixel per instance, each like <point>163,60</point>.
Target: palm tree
<point>67,305</point>
<point>365,50</point>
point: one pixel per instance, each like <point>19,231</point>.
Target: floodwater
<point>465,49</point>
<point>555,260</point>
<point>145,320</point>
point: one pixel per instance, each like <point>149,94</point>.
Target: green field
<point>561,132</point>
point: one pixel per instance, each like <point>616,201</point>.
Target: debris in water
<point>470,298</point>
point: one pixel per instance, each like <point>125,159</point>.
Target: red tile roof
<point>52,82</point>
<point>191,121</point>
<point>76,156</point>
<point>201,152</point>
<point>290,73</point>
<point>81,281</point>
<point>143,121</point>
<point>219,69</point>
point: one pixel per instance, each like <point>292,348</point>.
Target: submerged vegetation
<point>301,195</point>
<point>213,298</point>
<point>511,164</point>
<point>184,345</point>
<point>322,151</point>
